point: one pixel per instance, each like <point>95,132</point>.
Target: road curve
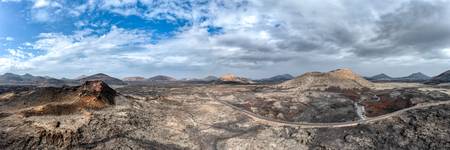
<point>274,122</point>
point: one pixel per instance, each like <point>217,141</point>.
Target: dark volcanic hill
<point>206,80</point>
<point>415,77</point>
<point>276,79</point>
<point>28,79</point>
<point>103,77</point>
<point>441,78</point>
<point>161,78</point>
<point>11,78</point>
<point>380,77</point>
<point>61,100</point>
<point>210,78</point>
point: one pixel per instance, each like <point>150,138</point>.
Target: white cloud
<point>119,3</point>
<point>27,44</point>
<point>10,1</point>
<point>47,3</point>
<point>14,60</point>
<point>5,64</point>
<point>174,60</point>
<point>41,3</point>
<point>54,10</point>
<point>9,38</point>
<point>84,51</point>
<point>169,9</point>
<point>19,54</point>
<point>42,16</point>
<point>256,36</point>
<point>446,52</point>
<point>118,49</point>
<point>137,58</point>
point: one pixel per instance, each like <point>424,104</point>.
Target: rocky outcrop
<point>62,101</point>
<point>96,94</point>
<point>232,79</point>
<point>59,118</point>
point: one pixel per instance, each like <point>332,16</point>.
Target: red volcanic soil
<point>96,94</point>
<point>265,108</point>
<point>385,105</point>
<point>353,94</point>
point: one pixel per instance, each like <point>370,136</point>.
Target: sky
<point>197,38</point>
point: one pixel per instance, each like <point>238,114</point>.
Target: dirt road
<point>275,122</point>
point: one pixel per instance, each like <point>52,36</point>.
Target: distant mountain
<point>10,78</point>
<point>81,77</point>
<point>65,79</point>
<point>441,78</point>
<point>210,78</point>
<point>133,79</point>
<point>415,77</point>
<point>28,79</point>
<point>105,78</point>
<point>380,77</point>
<point>206,80</point>
<point>161,78</point>
<point>276,79</point>
<point>232,79</point>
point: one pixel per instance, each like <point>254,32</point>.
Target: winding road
<point>274,122</point>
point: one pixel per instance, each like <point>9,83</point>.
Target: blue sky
<point>197,38</point>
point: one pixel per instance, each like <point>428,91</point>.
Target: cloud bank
<point>254,38</point>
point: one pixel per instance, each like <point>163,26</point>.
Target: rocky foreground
<point>95,116</point>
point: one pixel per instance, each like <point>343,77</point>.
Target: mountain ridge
<point>276,79</point>
<point>414,77</point>
<point>161,78</point>
<point>441,78</point>
<point>28,79</point>
<point>103,77</point>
